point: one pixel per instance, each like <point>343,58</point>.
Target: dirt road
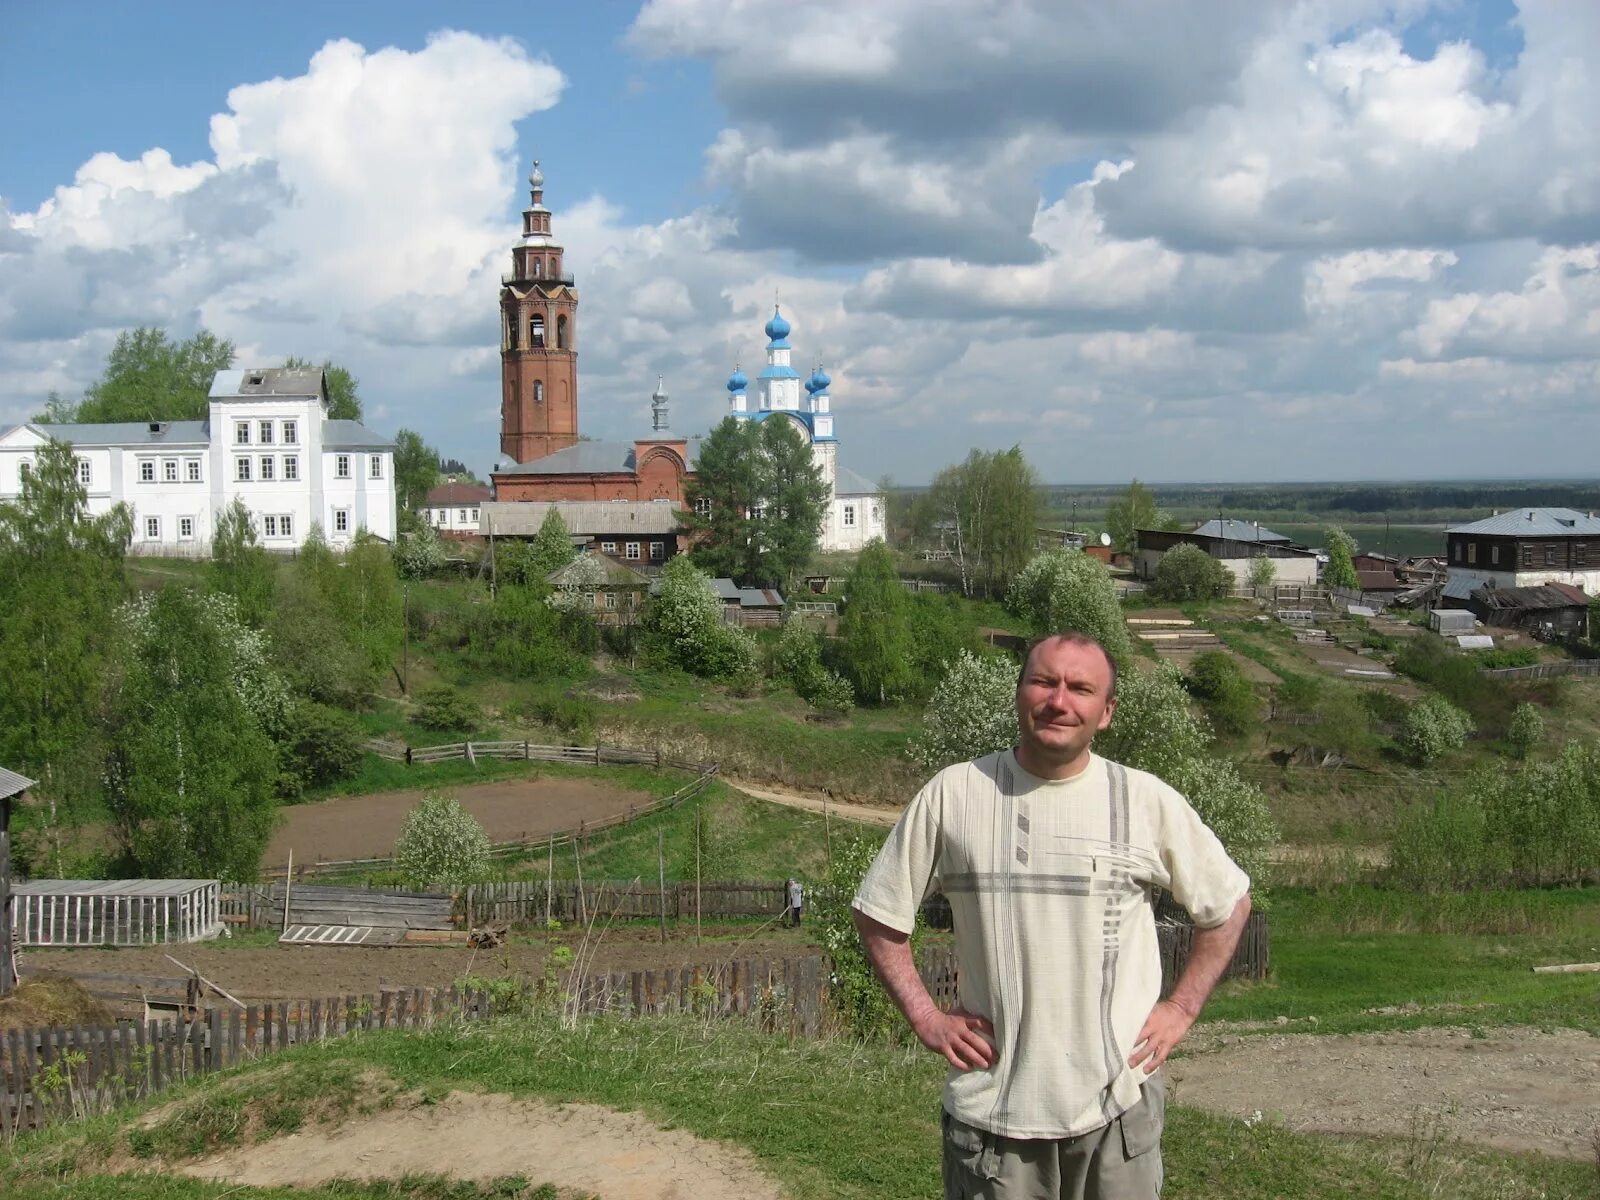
<point>867,814</point>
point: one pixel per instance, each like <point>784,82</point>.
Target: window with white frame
<point>608,547</point>
<point>147,471</point>
<point>152,529</point>
<point>169,470</point>
<point>193,466</point>
<point>186,529</point>
<point>241,470</point>
<point>267,467</point>
<point>474,517</point>
<point>291,466</point>
<point>291,433</point>
<point>757,511</point>
<point>702,505</point>
<point>241,433</point>
<point>279,525</point>
<point>341,520</point>
<point>84,472</point>
<point>658,551</point>
<point>24,469</point>
<point>341,466</point>
<point>849,515</point>
<point>632,551</point>
<point>265,428</point>
<point>462,516</point>
<point>286,526</point>
<point>375,467</point>
<point>611,599</point>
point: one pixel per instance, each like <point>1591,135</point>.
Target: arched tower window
<point>538,268</point>
<point>538,391</point>
<point>536,331</point>
<point>561,332</point>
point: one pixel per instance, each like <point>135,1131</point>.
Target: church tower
<point>538,341</point>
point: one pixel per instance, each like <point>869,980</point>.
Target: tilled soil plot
<point>304,972</point>
<point>1514,1089</point>
<point>509,809</point>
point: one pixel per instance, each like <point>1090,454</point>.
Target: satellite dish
<point>1105,539</point>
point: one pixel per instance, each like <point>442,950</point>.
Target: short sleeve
<point>904,874</point>
<point>1200,874</point>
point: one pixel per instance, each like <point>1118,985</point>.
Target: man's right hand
<point>965,1039</point>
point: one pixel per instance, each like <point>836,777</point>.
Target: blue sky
<point>1343,239</point>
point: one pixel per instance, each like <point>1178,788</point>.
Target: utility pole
<point>405,638</point>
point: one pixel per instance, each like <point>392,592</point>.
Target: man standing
<point>1049,856</point>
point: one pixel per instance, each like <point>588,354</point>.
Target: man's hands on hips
<point>963,1038</point>
<point>1163,1029</point>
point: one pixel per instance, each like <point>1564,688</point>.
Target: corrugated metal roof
<point>110,887</point>
<point>1540,596</point>
<point>11,783</point>
<point>1459,587</point>
<point>1239,531</point>
<point>590,518</point>
<point>760,598</point>
<point>352,435</point>
<point>1535,522</point>
<point>130,433</point>
<point>848,483</point>
<point>235,383</point>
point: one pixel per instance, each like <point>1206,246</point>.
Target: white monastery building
<point>856,510</point>
<point>266,440</point>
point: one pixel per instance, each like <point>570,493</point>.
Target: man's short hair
<point>1071,638</point>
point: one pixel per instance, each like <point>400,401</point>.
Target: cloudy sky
<point>1238,240</point>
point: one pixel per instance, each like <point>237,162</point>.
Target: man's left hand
<point>1163,1029</point>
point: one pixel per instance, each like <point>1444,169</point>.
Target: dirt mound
<point>620,1156</point>
<point>1514,1089</point>
<point>51,1000</point>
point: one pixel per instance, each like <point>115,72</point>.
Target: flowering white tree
<point>1067,590</point>
<point>441,844</point>
<point>971,713</point>
<point>684,623</point>
<point>1433,727</point>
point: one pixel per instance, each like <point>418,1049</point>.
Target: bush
<point>524,636</point>
<point>447,710</point>
<point>1505,656</point>
<point>1229,699</point>
<point>1455,676</point>
<point>1189,573</point>
<point>576,719</point>
<point>798,660</point>
<point>1526,731</point>
<point>319,745</point>
<point>1434,727</point>
<point>862,1005</point>
<point>1066,590</point>
<point>441,844</point>
<point>683,626</point>
<point>419,554</point>
<point>971,713</point>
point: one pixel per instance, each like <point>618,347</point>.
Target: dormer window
<point>255,380</point>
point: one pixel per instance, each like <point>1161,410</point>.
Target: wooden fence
<point>1548,670</point>
<point>533,901</point>
<point>593,755</point>
<point>260,906</point>
<point>583,756</point>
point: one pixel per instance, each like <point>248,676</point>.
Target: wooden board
<point>341,935</point>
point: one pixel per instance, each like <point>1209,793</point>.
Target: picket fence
<point>594,755</point>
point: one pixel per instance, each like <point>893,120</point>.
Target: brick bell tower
<point>538,341</point>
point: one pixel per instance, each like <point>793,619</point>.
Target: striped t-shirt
<point>1050,883</point>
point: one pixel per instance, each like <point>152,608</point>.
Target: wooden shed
<point>12,786</point>
<point>116,912</point>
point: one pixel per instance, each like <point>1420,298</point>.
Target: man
<point>794,897</point>
<point>1049,855</point>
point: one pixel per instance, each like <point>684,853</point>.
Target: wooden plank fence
<point>1548,670</point>
<point>596,755</point>
<point>260,906</point>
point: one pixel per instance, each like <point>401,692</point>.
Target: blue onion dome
<point>777,329</point>
<point>737,381</point>
<point>818,382</point>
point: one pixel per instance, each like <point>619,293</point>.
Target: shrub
<point>1263,571</point>
<point>1066,590</point>
<point>1526,730</point>
<point>419,554</point>
<point>863,1006</point>
<point>446,709</point>
<point>1189,573</point>
<point>1505,656</point>
<point>1230,700</point>
<point>683,626</point>
<point>1455,676</point>
<point>798,659</point>
<point>1433,727</point>
<point>318,746</point>
<point>523,635</point>
<point>971,713</point>
<point>441,844</point>
<point>576,719</point>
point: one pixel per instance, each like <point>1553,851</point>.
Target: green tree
<point>1067,590</point>
<point>1341,569</point>
<point>1229,699</point>
<point>317,746</point>
<point>1526,730</point>
<point>1263,572</point>
<point>441,844</point>
<point>60,584</point>
<point>419,553</point>
<point>190,770</point>
<point>552,546</point>
<point>1134,510</point>
<point>344,402</point>
<point>1189,573</point>
<point>372,607</point>
<point>57,410</point>
<point>683,626</point>
<point>875,627</point>
<point>310,645</point>
<point>149,377</point>
<point>416,470</point>
<point>1433,727</point>
<point>990,503</point>
<point>240,567</point>
<point>764,499</point>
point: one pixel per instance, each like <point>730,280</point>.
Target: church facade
<point>543,456</point>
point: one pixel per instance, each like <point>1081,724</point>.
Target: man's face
<point>1064,699</point>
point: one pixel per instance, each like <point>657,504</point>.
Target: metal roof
<point>1459,587</point>
<point>613,573</point>
<point>590,518</point>
<point>848,483</point>
<point>1535,522</point>
<point>110,887</point>
<point>1541,596</point>
<point>352,435</point>
<point>455,492</point>
<point>11,783</point>
<point>236,383</point>
<point>130,433</point>
<point>1239,531</point>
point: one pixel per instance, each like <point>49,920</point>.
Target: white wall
<point>448,518</point>
<point>1588,578</point>
<point>868,522</point>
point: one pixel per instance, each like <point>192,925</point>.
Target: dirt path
<point>1514,1089</point>
<point>868,814</point>
<point>366,826</point>
<point>615,1155</point>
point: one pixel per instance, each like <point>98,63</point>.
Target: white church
<point>856,509</point>
<point>267,440</point>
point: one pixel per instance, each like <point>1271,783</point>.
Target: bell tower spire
<point>538,340</point>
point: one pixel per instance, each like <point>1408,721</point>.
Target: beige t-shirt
<point>1050,883</point>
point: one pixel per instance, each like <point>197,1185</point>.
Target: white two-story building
<point>266,440</point>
